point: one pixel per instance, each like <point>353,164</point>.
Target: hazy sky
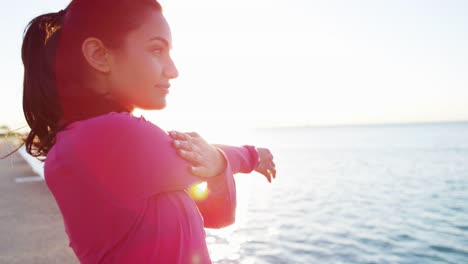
<point>295,62</point>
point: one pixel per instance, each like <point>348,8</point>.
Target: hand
<point>207,161</point>
<point>266,166</point>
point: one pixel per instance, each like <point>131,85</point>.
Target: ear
<point>96,54</point>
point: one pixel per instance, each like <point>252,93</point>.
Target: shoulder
<point>118,120</point>
<point>116,131</point>
<point>121,125</point>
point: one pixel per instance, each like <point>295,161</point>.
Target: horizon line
<point>403,123</point>
<point>317,125</point>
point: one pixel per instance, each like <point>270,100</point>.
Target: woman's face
<point>142,68</point>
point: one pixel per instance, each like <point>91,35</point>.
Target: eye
<point>157,51</point>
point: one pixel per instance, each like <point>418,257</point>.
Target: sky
<point>252,63</point>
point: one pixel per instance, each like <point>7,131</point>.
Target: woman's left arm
<point>207,160</point>
<point>217,164</point>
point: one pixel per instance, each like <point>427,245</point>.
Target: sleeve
<point>216,200</point>
<point>242,159</point>
<point>134,159</point>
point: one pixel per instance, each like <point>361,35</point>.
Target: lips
<point>164,87</point>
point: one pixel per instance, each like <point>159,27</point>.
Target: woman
<point>125,187</point>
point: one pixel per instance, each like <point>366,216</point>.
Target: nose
<point>170,71</point>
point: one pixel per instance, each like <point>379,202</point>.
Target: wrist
<point>222,161</point>
<point>254,156</point>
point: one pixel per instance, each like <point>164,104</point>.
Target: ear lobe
<point>96,54</point>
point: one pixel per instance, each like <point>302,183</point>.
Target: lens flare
<point>199,191</point>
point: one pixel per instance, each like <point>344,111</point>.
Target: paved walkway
<point>31,227</point>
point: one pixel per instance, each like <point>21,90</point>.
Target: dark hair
<point>41,105</point>
<point>55,92</point>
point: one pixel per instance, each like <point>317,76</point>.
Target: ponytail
<point>41,105</point>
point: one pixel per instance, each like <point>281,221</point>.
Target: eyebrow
<point>163,40</point>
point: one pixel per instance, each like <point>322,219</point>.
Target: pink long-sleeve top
<point>123,192</point>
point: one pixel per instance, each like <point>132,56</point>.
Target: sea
<point>353,194</point>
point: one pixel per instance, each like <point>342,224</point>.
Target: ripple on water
<point>462,227</point>
<point>451,250</point>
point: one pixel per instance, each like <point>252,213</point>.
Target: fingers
<point>185,145</point>
<point>183,136</point>
<point>200,171</point>
<point>193,134</point>
<point>197,171</point>
<point>272,172</point>
<point>178,135</point>
<point>270,164</point>
<point>268,172</point>
<point>182,141</point>
<point>191,156</point>
<point>268,176</point>
<point>266,166</point>
<point>193,137</point>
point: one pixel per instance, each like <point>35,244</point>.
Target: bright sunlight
<point>199,191</point>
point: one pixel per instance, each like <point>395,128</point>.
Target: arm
<point>242,159</point>
<point>217,200</point>
<point>131,158</point>
<point>247,158</point>
<point>219,206</point>
<point>217,203</point>
<point>217,164</point>
<point>206,161</point>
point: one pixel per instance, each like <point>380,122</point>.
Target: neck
<point>79,103</point>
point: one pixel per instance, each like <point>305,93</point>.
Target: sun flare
<point>199,191</point>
